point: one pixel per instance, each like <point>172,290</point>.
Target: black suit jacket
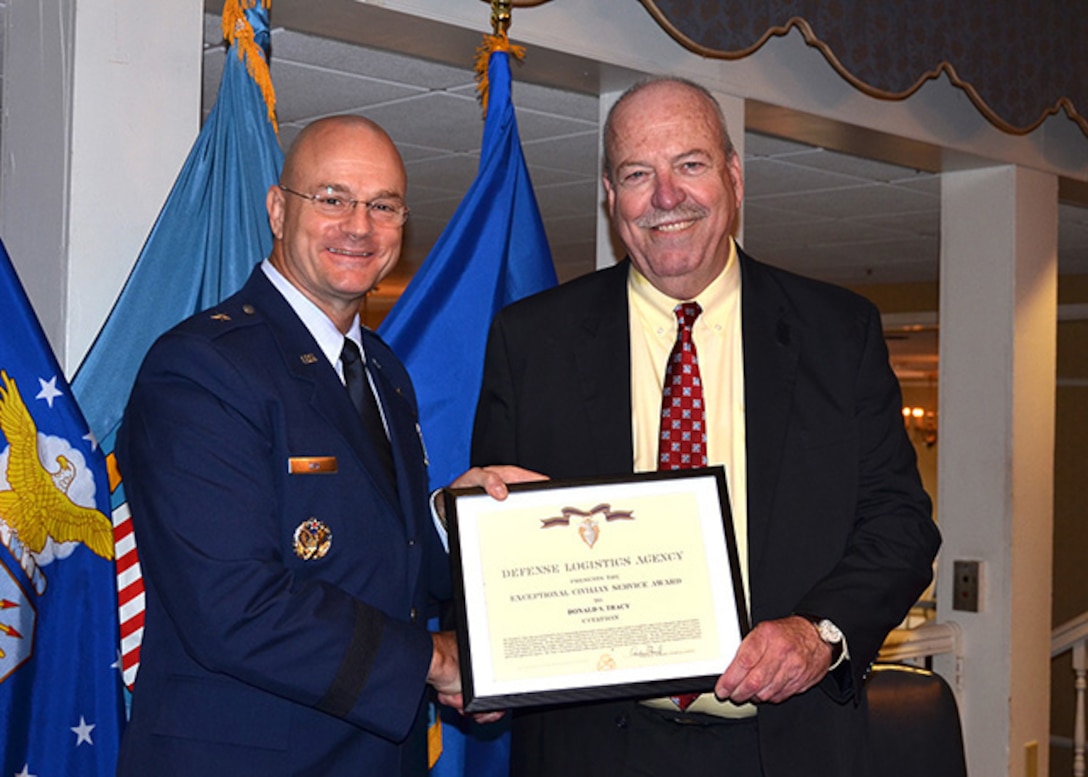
<point>257,661</point>
<point>838,522</point>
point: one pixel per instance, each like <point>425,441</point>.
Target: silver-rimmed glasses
<point>387,211</point>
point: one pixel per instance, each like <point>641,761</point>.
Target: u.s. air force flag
<point>60,688</point>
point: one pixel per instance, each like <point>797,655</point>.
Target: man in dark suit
<point>798,402</point>
<point>288,550</point>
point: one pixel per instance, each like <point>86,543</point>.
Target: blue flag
<point>492,252</point>
<point>209,235</point>
<point>61,711</point>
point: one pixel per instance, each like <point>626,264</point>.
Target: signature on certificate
<point>648,651</point>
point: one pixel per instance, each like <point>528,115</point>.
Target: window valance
<point>1019,61</point>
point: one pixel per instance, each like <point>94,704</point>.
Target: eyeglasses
<point>384,210</point>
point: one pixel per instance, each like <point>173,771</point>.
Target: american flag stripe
<point>130,593</point>
<point>129,598</point>
<point>132,643</point>
<point>125,578</point>
<point>125,544</point>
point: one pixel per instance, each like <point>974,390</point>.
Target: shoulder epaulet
<point>227,316</point>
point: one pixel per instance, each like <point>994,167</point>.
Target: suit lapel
<point>404,433</point>
<point>306,363</point>
<point>406,443</point>
<point>602,355</point>
<point>772,346</point>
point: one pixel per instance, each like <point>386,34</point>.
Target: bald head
<point>315,136</point>
<point>652,87</point>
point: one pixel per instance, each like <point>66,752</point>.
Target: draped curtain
<point>1019,61</point>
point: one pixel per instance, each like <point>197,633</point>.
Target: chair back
<point>914,724</point>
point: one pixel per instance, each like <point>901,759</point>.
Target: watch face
<point>829,632</point>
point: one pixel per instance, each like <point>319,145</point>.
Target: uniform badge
<point>312,539</point>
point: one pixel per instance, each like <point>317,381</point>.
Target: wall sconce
<point>921,424</point>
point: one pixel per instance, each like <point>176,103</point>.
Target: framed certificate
<point>593,589</point>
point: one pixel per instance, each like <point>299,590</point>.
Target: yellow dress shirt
<point>719,346</point>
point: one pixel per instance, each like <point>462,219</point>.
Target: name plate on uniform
<point>594,589</point>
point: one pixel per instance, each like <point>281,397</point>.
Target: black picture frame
<point>543,606</point>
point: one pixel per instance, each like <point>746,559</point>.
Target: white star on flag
<point>83,732</point>
<point>49,390</point>
<point>25,772</point>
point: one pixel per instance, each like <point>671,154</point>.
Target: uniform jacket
<point>838,522</point>
<point>239,442</point>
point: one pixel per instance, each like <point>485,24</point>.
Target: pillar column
<point>998,319</point>
<point>101,106</point>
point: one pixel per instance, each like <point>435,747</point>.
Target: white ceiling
<point>815,211</point>
<point>818,212</point>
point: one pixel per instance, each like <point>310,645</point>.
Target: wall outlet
<point>966,585</point>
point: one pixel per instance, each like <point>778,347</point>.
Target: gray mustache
<point>680,213</point>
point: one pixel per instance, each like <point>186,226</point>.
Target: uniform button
<point>621,721</point>
<point>413,615</point>
<point>412,542</point>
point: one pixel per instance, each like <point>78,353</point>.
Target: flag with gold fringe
<point>493,251</point>
<point>210,233</point>
<point>61,708</point>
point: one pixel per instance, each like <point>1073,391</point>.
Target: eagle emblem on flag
<point>36,505</point>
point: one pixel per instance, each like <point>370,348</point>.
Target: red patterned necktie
<point>682,439</point>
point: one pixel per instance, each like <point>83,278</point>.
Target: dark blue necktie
<point>355,378</point>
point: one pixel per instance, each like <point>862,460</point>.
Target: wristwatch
<point>830,634</point>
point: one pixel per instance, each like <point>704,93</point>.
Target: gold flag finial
<point>497,41</point>
<point>500,16</point>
